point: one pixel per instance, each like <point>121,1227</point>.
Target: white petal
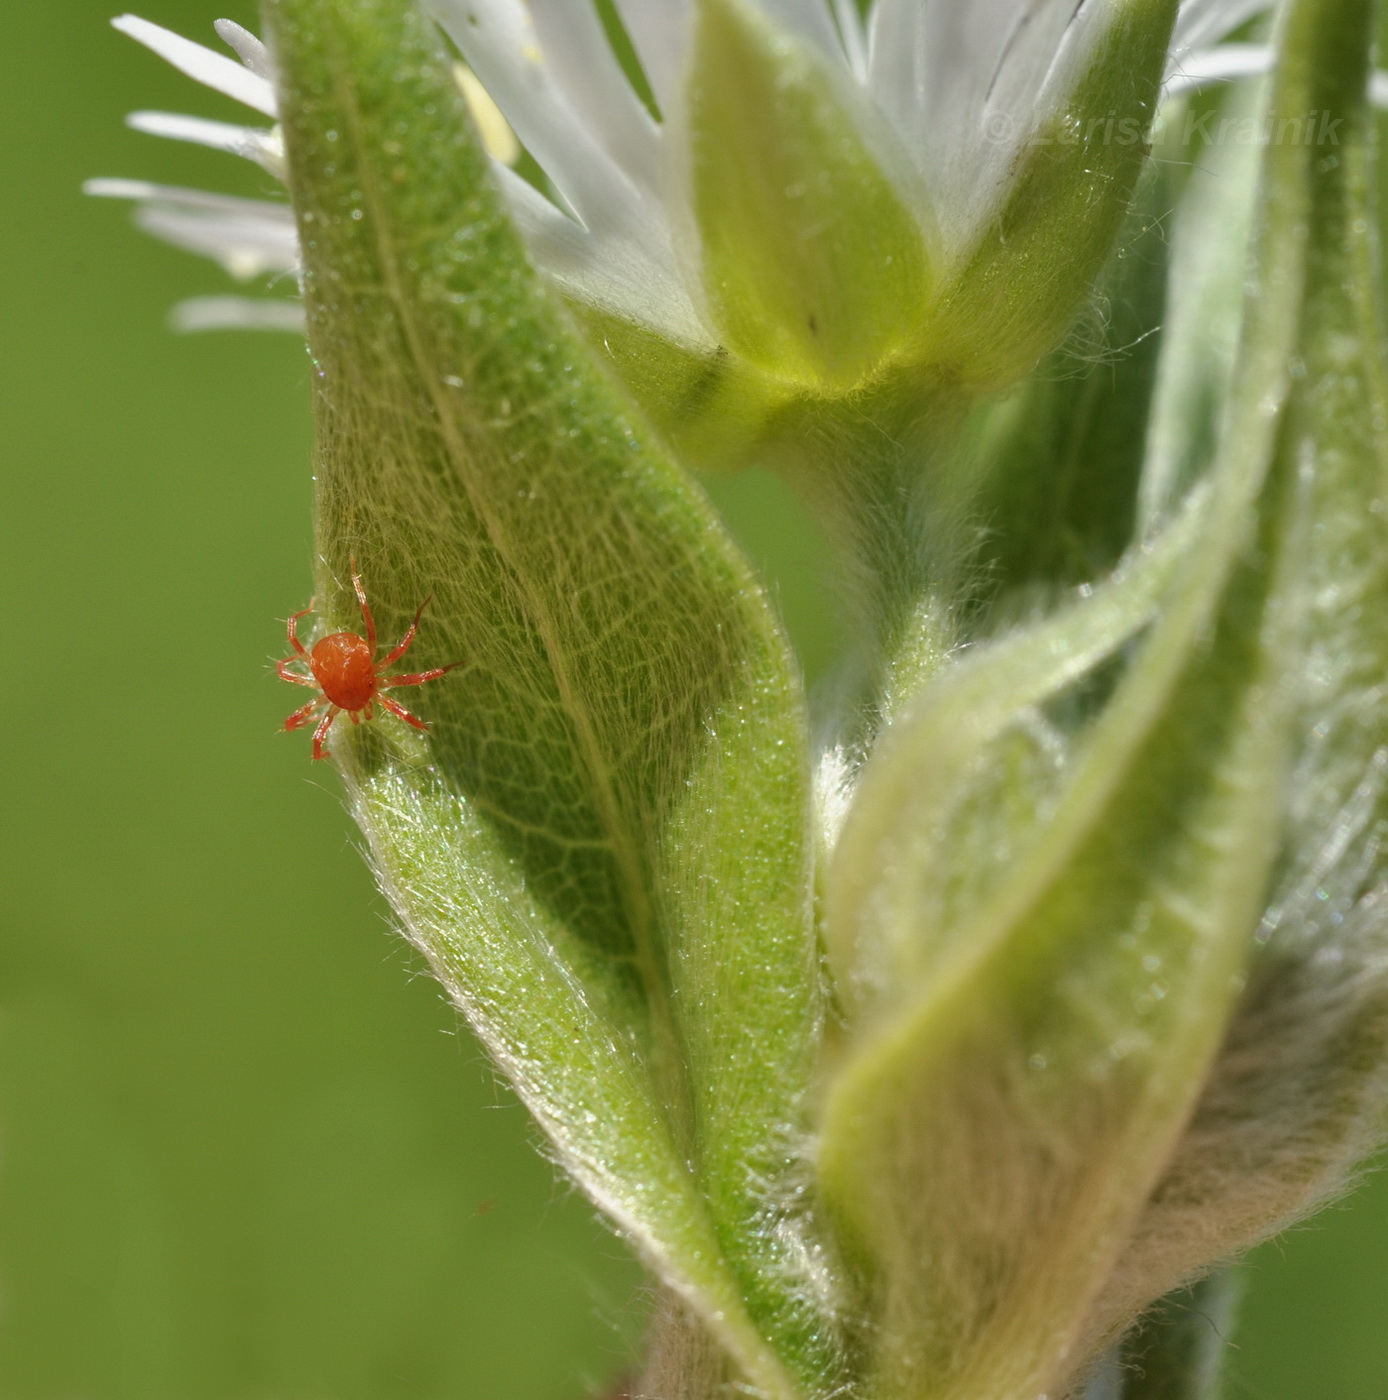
<point>1203,22</point>
<point>810,19</point>
<point>246,236</point>
<point>1219,65</point>
<point>575,47</point>
<point>962,85</point>
<point>853,36</point>
<point>212,69</point>
<point>594,140</point>
<point>237,314</point>
<point>247,48</point>
<point>254,143</point>
<point>191,199</point>
<point>501,46</point>
<point>1230,62</point>
<point>659,31</point>
<point>245,248</point>
<point>617,275</point>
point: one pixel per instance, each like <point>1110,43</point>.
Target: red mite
<point>344,669</point>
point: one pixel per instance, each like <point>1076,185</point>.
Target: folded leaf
<point>1030,1040</point>
<point>1298,1094</point>
<point>601,844</point>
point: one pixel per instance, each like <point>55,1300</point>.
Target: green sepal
<point>714,409</point>
<point>1014,296</point>
<point>601,845</point>
<point>814,260</point>
<point>1060,459</point>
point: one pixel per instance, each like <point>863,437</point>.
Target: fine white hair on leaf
<point>1226,63</point>
<point>833,787</point>
<point>1296,1098</point>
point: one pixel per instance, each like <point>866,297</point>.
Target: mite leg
<point>320,734</point>
<point>400,712</point>
<point>419,677</point>
<point>293,627</point>
<point>405,641</point>
<point>288,675</point>
<point>368,621</point>
<point>304,716</point>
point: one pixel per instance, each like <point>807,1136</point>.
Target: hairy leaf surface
<point>1032,1037</point>
<point>601,844</point>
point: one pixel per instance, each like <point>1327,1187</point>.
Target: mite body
<point>350,678</point>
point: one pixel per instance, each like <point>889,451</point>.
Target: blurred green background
<point>245,1149</point>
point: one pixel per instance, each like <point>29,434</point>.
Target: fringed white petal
<point>237,314</point>
<point>810,19</point>
<point>659,31</point>
<point>246,236</point>
<point>963,83</point>
<point>853,37</point>
<point>211,69</point>
<point>575,46</point>
<point>965,86</point>
<point>501,46</point>
<point>1219,65</point>
<point>253,143</point>
<point>613,274</point>
<point>246,47</point>
<point>1200,23</point>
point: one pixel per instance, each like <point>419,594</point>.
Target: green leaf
<point>1060,459</point>
<point>947,764</point>
<point>815,267</point>
<point>1032,1036</point>
<point>601,846</point>
<point>1210,229</point>
<point>1298,1094</point>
